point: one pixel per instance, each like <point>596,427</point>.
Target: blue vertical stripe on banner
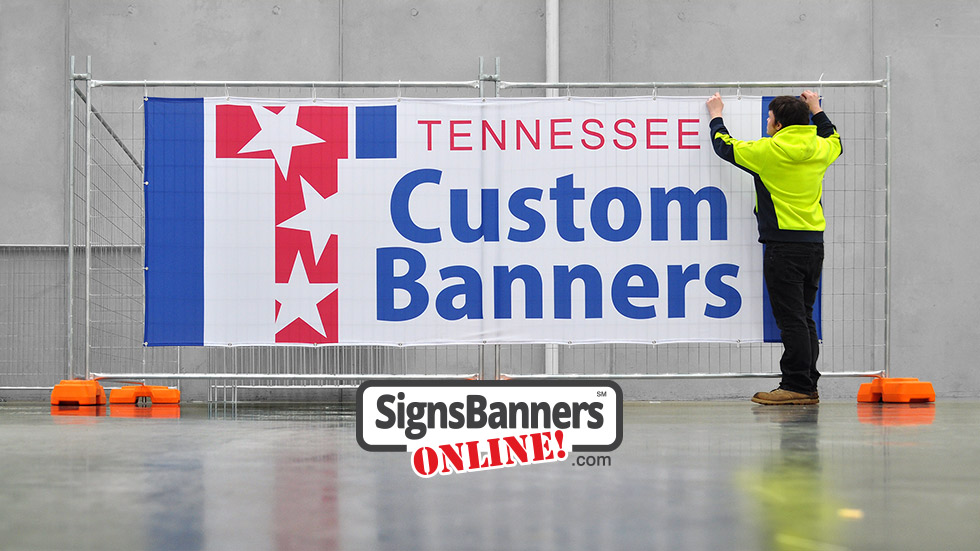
<point>376,132</point>
<point>770,331</point>
<point>174,197</point>
<point>766,100</point>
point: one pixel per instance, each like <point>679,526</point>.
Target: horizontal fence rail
<point>284,84</point>
<point>275,376</point>
<point>627,376</point>
<point>694,85</point>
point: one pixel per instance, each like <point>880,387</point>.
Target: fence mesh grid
<point>33,297</point>
<point>853,285</point>
<point>853,281</point>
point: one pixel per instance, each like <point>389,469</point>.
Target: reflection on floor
<point>687,476</point>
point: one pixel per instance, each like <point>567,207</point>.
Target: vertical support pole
<point>551,49</point>
<point>496,362</point>
<point>178,363</point>
<point>551,359</point>
<point>88,218</point>
<point>496,82</point>
<point>69,369</point>
<point>481,78</point>
<point>483,350</point>
<point>888,214</point>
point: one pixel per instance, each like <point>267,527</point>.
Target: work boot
<point>781,396</point>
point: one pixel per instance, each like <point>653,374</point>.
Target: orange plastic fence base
<point>156,394</point>
<point>896,390</point>
<point>78,393</point>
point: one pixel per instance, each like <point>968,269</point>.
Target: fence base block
<point>80,393</point>
<point>896,390</point>
<point>156,394</point>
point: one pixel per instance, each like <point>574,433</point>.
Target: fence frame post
<point>88,218</point>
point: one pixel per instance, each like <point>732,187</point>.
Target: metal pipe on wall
<point>551,63</point>
<point>551,48</point>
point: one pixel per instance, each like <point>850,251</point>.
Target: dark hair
<point>789,110</point>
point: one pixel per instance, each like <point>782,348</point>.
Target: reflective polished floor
<point>688,476</point>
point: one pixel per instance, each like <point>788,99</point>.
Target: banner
<point>418,221</point>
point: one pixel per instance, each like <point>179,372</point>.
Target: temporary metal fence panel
<point>101,274</point>
<point>113,231</point>
<point>855,275</point>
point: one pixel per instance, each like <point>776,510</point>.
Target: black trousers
<point>792,273</point>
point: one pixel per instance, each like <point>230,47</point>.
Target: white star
<point>299,297</point>
<point>279,133</point>
<point>319,217</point>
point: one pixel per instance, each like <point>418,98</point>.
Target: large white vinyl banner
<point>448,221</point>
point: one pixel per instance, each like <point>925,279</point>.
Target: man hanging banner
<point>447,221</point>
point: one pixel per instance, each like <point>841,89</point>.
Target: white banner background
<point>366,188</point>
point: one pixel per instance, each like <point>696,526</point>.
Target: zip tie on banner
<point>313,86</point>
<point>227,93</point>
<point>820,87</point>
<point>399,97</point>
<point>739,92</point>
<point>654,92</point>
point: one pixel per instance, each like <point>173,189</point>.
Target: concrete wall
<point>934,47</point>
<point>33,122</point>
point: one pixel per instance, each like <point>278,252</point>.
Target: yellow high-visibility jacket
<point>788,169</point>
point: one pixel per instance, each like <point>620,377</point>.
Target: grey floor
<point>688,476</point>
